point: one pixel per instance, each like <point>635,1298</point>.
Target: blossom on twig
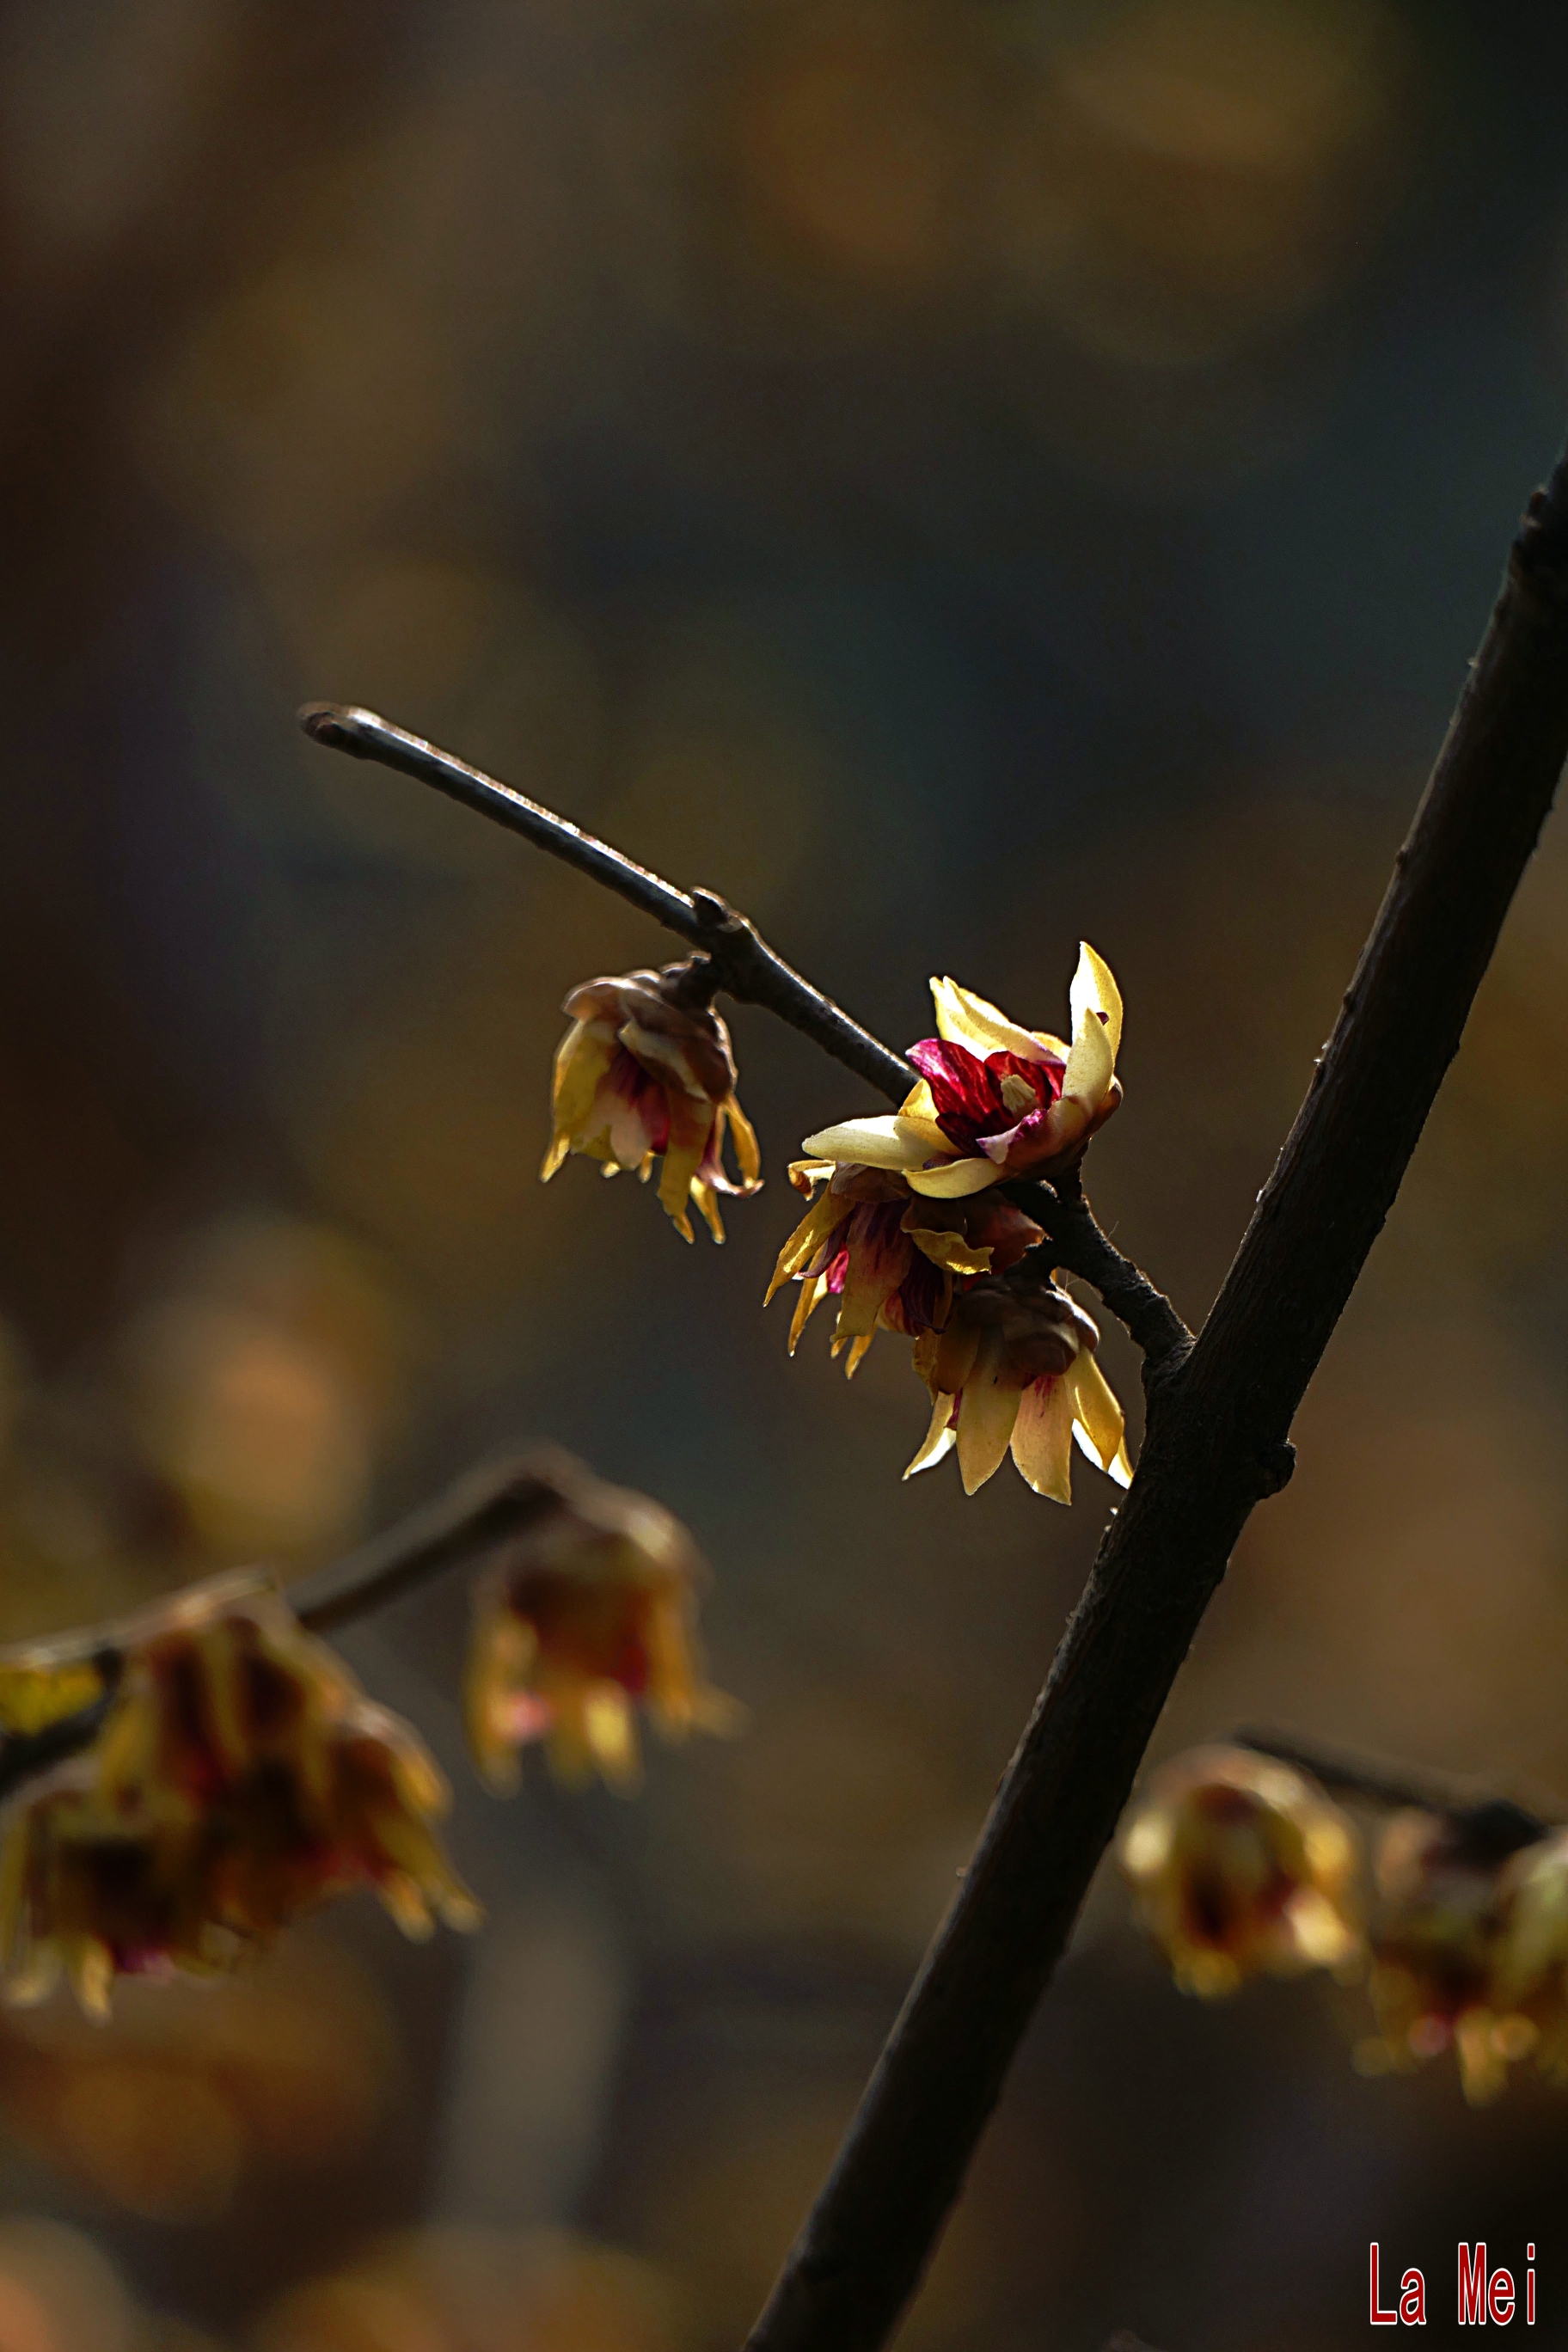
<point>647,1068</point>
<point>588,1615</point>
<point>240,1777</point>
<point>994,1100</point>
<point>1241,1866</point>
<point>890,1257</point>
<point>1014,1370</point>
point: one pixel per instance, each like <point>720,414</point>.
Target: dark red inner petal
<point>967,1090</point>
<point>626,1077</point>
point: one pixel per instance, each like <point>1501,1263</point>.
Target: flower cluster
<point>240,1777</point>
<point>908,1231</point>
<point>647,1070</point>
<point>587,1615</point>
<point>1239,1865</point>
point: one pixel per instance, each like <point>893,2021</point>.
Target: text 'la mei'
<point>1483,2294</point>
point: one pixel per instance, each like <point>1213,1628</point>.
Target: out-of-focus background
<point>952,478</point>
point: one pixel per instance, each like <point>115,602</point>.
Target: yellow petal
<point>810,1292</point>
<point>1100,1424</point>
<point>1092,1064</point>
<point>583,1056</point>
<point>707,1201</point>
<point>1094,990</point>
<point>690,1121</point>
<point>986,1412</point>
<point>952,1251</point>
<point>612,1736</point>
<point>940,1438</point>
<point>748,1156</point>
<point>1042,1438</point>
<point>806,1241</point>
<point>870,1143</point>
<point>857,1348</point>
<point>955,1179</point>
<point>965,1019</point>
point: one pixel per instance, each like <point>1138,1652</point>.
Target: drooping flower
<point>890,1257</point>
<point>587,1616</point>
<point>1015,1368</point>
<point>240,1777</point>
<point>1462,1942</point>
<point>646,1069</point>
<point>1241,1866</point>
<point>994,1100</point>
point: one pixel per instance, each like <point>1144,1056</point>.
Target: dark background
<point>951,477</point>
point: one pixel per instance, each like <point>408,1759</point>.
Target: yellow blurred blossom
<point>647,1070</point>
<point>993,1100</point>
<point>1015,1368</point>
<point>590,1614</point>
<point>240,1777</point>
<point>1240,1866</point>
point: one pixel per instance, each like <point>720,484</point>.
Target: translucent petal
<point>1042,1437</point>
<point>1092,1064</point>
<point>955,1179</point>
<point>986,1412</point>
<point>939,1439</point>
<point>1094,991</point>
<point>870,1143</point>
<point>1102,1426</point>
<point>964,1019</point>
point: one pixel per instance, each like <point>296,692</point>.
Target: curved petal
<point>871,1142</point>
<point>940,1438</point>
<point>1042,1437</point>
<point>1095,991</point>
<point>1092,1064</point>
<point>955,1179</point>
<point>1099,1425</point>
<point>987,1409</point>
<point>964,1019</point>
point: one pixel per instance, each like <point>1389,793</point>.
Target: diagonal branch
<point>1218,1445</point>
<point>1396,1786</point>
<point>752,972</point>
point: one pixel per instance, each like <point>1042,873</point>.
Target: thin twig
<point>1378,1782</point>
<point>484,1509</point>
<point>1218,1445</point>
<point>753,973</point>
<point>748,968</point>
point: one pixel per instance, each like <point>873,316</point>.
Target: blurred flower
<point>994,1100</point>
<point>240,1777</point>
<point>1467,1946</point>
<point>1014,1367</point>
<point>591,1612</point>
<point>891,1259</point>
<point>646,1067</point>
<point>1240,1866</point>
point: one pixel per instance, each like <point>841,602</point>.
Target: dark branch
<point>1377,1783</point>
<point>1220,1443</point>
<point>748,968</point>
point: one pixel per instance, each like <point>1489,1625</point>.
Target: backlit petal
<point>871,1142</point>
<point>954,1181</point>
<point>1094,991</point>
<point>987,1409</point>
<point>964,1019</point>
<point>1042,1436</point>
<point>1100,1425</point>
<point>940,1438</point>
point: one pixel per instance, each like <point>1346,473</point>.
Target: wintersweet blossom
<point>1241,1866</point>
<point>647,1068</point>
<point>240,1777</point>
<point>993,1100</point>
<point>1014,1368</point>
<point>1467,1947</point>
<point>588,1615</point>
<point>890,1257</point>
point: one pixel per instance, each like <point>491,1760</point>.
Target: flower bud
<point>647,1070</point>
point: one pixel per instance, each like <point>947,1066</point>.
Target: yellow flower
<point>1467,1946</point>
<point>888,1257</point>
<point>993,1100</point>
<point>647,1068</point>
<point>1240,1866</point>
<point>590,1613</point>
<point>240,1777</point>
<point>1015,1368</point>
